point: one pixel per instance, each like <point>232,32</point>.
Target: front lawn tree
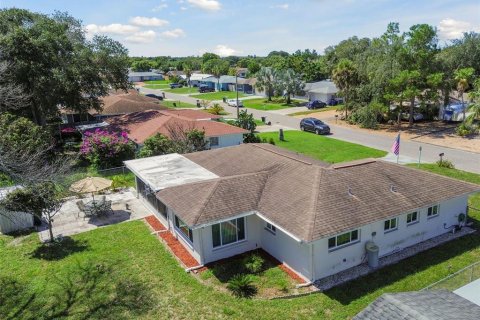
<point>51,59</point>
<point>216,67</point>
<point>247,122</point>
<point>345,77</point>
<point>463,77</point>
<point>291,83</point>
<point>267,80</point>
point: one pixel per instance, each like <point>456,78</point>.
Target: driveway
<point>464,160</point>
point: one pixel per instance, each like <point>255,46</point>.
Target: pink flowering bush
<point>106,149</point>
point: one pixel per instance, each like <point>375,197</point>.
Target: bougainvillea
<point>106,149</point>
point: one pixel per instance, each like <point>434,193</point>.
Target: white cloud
<point>142,37</point>
<point>209,5</point>
<point>453,29</point>
<point>148,22</point>
<point>183,8</point>
<point>160,7</point>
<point>175,33</point>
<point>224,51</point>
<point>281,6</point>
<point>114,28</point>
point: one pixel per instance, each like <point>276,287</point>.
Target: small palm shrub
<point>217,109</point>
<point>466,129</point>
<point>445,164</point>
<point>271,141</point>
<point>253,263</point>
<point>241,285</point>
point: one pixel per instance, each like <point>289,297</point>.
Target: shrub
<point>445,164</point>
<point>216,109</point>
<point>271,141</point>
<point>253,263</point>
<point>466,129</point>
<point>251,138</point>
<point>105,150</point>
<point>241,285</point>
<point>368,116</point>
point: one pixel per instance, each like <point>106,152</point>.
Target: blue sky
<point>243,27</point>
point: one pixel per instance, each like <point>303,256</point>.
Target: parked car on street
<point>175,85</point>
<point>233,103</point>
<point>314,125</point>
<point>151,95</point>
<point>334,101</point>
<point>416,116</point>
<point>316,104</point>
<point>204,88</point>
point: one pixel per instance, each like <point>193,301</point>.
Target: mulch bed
<point>178,250</point>
<point>155,224</point>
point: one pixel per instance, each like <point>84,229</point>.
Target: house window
<point>432,211</point>
<point>270,227</point>
<point>343,239</point>
<point>213,141</point>
<point>412,217</point>
<point>183,228</point>
<point>390,225</point>
<point>228,232</point>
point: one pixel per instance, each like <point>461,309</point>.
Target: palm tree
<point>345,77</point>
<point>267,80</point>
<point>463,76</point>
<point>187,69</point>
<point>474,96</point>
<point>291,83</point>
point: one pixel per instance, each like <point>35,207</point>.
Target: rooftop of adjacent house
<point>142,125</point>
<point>324,86</point>
<point>143,74</point>
<point>425,305</point>
<point>199,76</point>
<point>121,102</point>
<point>227,79</point>
<point>305,197</point>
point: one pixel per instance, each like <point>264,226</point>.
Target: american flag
<point>396,145</point>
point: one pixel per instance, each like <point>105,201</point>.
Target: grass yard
<point>218,95</point>
<point>263,104</point>
<point>322,148</point>
<point>304,113</point>
<point>179,104</point>
<point>183,90</point>
<point>164,82</point>
<point>157,86</point>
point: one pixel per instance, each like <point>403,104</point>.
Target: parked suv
<point>314,125</point>
<point>175,85</point>
<point>203,89</point>
<point>316,104</point>
<point>151,95</point>
<point>233,103</point>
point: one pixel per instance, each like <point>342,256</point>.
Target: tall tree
<point>267,80</point>
<point>187,69</point>
<point>345,76</point>
<point>291,83</point>
<point>216,67</point>
<point>51,59</point>
<point>463,77</point>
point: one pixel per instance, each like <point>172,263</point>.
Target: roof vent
<point>393,188</point>
<point>350,193</point>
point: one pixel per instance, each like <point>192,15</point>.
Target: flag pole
<point>398,155</point>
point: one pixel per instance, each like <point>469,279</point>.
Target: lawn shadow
<point>111,218</point>
<point>59,249</point>
<point>16,302</point>
<point>355,289</point>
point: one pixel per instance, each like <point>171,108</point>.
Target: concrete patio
<point>69,220</point>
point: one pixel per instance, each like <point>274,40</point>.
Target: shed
<point>13,221</point>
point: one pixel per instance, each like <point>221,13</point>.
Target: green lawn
<point>218,95</point>
<point>304,113</point>
<point>263,104</point>
<point>183,90</point>
<point>164,82</point>
<point>169,104</point>
<point>157,86</point>
<point>323,148</point>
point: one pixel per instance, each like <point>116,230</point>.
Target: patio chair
<point>87,212</point>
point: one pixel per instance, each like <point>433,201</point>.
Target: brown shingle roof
<point>124,103</point>
<point>308,199</point>
<point>142,125</point>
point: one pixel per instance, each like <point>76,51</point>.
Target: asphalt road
<point>409,150</point>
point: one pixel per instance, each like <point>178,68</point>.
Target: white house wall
<point>327,263</point>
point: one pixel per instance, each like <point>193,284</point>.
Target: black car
<point>203,89</point>
<point>314,125</point>
<point>151,95</point>
<point>316,104</point>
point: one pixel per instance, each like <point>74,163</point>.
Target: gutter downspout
<point>312,262</point>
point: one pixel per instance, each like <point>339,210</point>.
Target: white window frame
<point>351,242</point>
<point>231,243</point>
<point>437,207</point>
<point>390,229</point>
<point>417,218</point>
<point>271,228</point>
<point>180,232</point>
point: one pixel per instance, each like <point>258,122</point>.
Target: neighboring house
<point>144,76</point>
<point>320,90</point>
<point>227,83</point>
<point>13,221</point>
<point>314,217</point>
<point>175,73</point>
<point>242,72</point>
<point>196,78</point>
<point>117,103</point>
<point>425,305</point>
<point>142,125</point>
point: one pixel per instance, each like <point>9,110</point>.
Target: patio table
<point>96,206</point>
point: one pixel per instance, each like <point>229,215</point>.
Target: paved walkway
<point>463,160</point>
<point>69,220</point>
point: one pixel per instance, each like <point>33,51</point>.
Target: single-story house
<point>425,305</point>
<point>314,217</point>
<point>13,221</point>
<point>142,125</point>
<point>227,83</point>
<point>175,73</point>
<point>196,78</point>
<point>321,90</point>
<point>144,76</point>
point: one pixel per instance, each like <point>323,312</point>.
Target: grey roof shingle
<point>420,305</point>
<point>305,197</point>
